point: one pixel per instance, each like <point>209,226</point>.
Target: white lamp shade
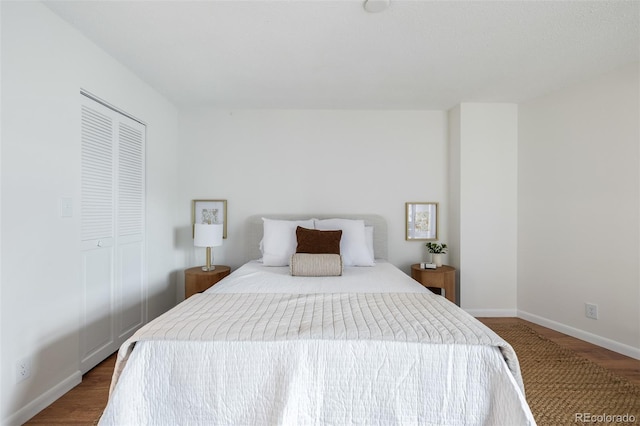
<point>208,235</point>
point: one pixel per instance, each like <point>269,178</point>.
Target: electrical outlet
<point>23,369</point>
<point>591,310</point>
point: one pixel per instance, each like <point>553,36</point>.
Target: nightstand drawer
<point>196,280</point>
<point>432,280</point>
<point>443,277</point>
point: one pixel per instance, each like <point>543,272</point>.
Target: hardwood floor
<point>84,403</point>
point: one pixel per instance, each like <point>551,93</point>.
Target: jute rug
<point>563,388</point>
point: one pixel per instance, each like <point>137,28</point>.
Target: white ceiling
<point>334,54</point>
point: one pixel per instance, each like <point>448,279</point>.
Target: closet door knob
<point>99,243</point>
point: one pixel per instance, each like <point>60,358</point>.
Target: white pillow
<point>369,236</point>
<point>279,240</point>
<point>353,245</point>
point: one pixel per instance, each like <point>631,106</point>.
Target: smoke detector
<point>375,6</point>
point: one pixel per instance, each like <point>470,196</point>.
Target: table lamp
<point>208,235</point>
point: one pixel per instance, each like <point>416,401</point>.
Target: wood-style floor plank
<point>84,403</point>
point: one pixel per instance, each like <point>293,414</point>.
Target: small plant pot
<point>436,258</point>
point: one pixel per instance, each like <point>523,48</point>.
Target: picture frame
<point>421,220</point>
<point>209,211</point>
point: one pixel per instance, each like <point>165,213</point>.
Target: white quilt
<point>316,358</point>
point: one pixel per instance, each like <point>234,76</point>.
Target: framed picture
<point>209,211</point>
<point>421,221</point>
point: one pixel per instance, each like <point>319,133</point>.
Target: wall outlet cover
<point>23,369</point>
<point>591,310</point>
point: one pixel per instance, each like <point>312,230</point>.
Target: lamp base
<point>209,266</point>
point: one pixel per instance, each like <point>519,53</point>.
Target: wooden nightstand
<point>442,277</point>
<point>196,280</point>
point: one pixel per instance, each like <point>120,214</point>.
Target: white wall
<point>579,210</point>
<point>44,64</point>
<point>483,189</point>
<point>316,161</point>
<point>453,195</point>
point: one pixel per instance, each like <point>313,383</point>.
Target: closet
<point>112,246</point>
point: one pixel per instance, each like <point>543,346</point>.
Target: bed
<point>265,346</point>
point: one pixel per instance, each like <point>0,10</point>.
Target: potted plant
<point>437,250</point>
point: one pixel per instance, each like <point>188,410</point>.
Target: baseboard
<point>479,313</point>
<point>612,345</point>
<point>43,401</point>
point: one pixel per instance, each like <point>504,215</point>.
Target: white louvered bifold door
<point>112,230</point>
<point>130,229</point>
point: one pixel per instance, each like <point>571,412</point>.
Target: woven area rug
<point>563,388</point>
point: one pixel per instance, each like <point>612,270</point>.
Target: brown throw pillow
<point>318,242</point>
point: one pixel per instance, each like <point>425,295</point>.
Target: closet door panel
<point>130,288</point>
<point>96,337</point>
<point>130,228</point>
<point>130,212</point>
<point>97,192</point>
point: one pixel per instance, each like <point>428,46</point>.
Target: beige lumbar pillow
<point>316,265</point>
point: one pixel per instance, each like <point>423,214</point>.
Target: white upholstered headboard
<point>255,228</point>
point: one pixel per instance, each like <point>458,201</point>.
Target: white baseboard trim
<point>43,401</point>
<point>582,335</point>
<point>492,312</point>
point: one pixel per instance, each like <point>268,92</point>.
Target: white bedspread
<point>407,357</point>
